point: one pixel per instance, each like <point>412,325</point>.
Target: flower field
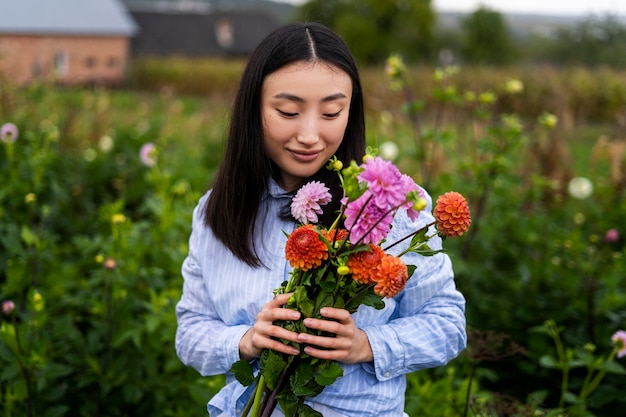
<point>97,193</point>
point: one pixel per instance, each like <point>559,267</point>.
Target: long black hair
<point>241,181</point>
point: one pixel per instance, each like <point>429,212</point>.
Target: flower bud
<point>514,86</point>
<point>343,270</point>
<point>420,204</point>
<point>337,165</point>
<point>30,198</point>
<point>548,120</point>
<point>118,218</point>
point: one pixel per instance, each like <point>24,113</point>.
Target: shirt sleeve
<point>428,328</point>
<point>203,340</point>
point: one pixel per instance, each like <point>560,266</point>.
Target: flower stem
<point>258,394</point>
<point>270,405</point>
<point>409,236</point>
<point>588,388</point>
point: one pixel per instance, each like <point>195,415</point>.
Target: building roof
<point>67,17</point>
<point>169,33</point>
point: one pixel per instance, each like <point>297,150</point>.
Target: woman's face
<point>304,111</point>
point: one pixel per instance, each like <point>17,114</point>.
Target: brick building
<point>65,41</point>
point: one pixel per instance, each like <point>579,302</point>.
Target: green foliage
<point>486,39</point>
<point>437,393</point>
<point>90,252</point>
<point>537,250</point>
<point>373,29</point>
<point>593,42</point>
<point>97,341</point>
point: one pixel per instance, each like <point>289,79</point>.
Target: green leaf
<point>304,303</point>
<point>410,269</point>
<point>300,378</point>
<point>288,402</point>
<point>548,361</point>
<point>418,238</point>
<point>29,237</point>
<point>273,367</point>
<point>614,368</point>
<point>368,298</point>
<point>289,407</point>
<point>324,299</point>
<point>329,374</point>
<point>305,410</point>
<point>242,371</point>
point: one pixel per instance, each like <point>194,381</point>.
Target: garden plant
<point>98,188</point>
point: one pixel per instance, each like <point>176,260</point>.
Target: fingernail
<point>307,322</point>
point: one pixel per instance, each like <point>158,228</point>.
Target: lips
<point>303,156</point>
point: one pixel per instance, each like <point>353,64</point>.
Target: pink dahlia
<point>8,133</point>
<point>412,209</point>
<point>148,154</point>
<point>306,205</point>
<point>7,307</point>
<point>366,221</point>
<point>619,340</point>
<point>385,182</point>
<point>611,236</point>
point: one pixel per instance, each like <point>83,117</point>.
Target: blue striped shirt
<point>422,327</point>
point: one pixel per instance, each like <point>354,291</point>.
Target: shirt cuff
<point>230,344</point>
<point>388,353</point>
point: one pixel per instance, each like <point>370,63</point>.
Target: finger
<point>335,355</point>
<point>336,314</point>
<point>338,328</point>
<point>275,337</point>
<point>323,342</point>
<point>281,299</point>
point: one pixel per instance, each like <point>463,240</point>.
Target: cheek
<point>334,134</point>
<point>274,129</point>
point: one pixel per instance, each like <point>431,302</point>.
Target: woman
<point>299,103</point>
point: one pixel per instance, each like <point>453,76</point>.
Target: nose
<point>308,134</point>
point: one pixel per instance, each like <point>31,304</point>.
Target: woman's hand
<point>350,344</point>
<point>261,335</point>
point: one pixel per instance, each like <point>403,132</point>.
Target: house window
<point>225,33</point>
<point>36,70</point>
<point>113,62</point>
<point>90,62</point>
<point>60,63</point>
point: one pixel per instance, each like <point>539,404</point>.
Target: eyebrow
<point>297,99</point>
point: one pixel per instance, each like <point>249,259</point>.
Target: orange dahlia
<point>390,277</point>
<point>452,214</point>
<point>363,264</point>
<point>304,249</point>
<point>335,235</point>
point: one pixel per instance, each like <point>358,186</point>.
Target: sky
<point>550,7</point>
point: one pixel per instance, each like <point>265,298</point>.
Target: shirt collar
<point>276,191</point>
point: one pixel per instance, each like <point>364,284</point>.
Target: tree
<point>592,42</point>
<point>376,28</point>
<point>486,39</point>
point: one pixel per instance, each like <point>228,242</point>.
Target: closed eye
<point>286,114</point>
<point>331,115</point>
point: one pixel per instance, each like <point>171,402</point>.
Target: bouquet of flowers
<point>343,267</point>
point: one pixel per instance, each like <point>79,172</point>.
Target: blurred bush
<point>92,236</point>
